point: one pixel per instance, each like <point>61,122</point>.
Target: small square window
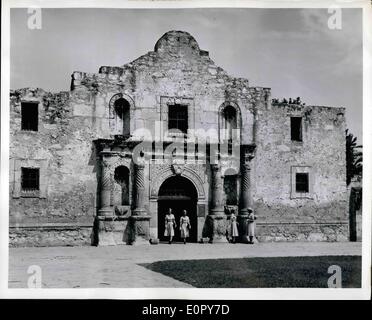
<point>296,128</point>
<point>30,116</point>
<point>178,117</point>
<point>302,182</point>
<point>30,179</point>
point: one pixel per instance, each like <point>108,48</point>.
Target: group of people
<point>185,226</point>
<point>234,231</point>
<point>170,225</point>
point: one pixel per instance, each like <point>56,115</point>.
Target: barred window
<point>30,115</point>
<point>178,117</point>
<point>302,182</point>
<point>30,179</point>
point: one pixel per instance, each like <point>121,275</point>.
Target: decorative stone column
<point>139,181</point>
<point>104,222</point>
<point>216,220</point>
<point>217,190</point>
<point>246,191</point>
<point>139,221</point>
<point>106,186</point>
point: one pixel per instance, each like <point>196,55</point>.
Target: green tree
<point>354,157</point>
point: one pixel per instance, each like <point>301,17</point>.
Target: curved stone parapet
<point>177,41</point>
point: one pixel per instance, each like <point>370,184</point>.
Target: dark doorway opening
<point>355,207</point>
<point>179,194</point>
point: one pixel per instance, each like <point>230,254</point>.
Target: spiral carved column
<point>139,221</point>
<point>246,192</point>
<point>106,186</point>
<point>139,190</point>
<point>216,220</point>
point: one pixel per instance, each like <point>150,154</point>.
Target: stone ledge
<point>51,236</point>
<point>303,232</point>
<point>301,223</point>
<point>112,218</point>
<point>140,217</point>
<point>51,226</point>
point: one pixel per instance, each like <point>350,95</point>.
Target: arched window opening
<point>120,117</point>
<point>230,125</point>
<point>121,193</point>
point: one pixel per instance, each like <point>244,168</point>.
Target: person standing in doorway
<point>185,226</point>
<point>170,224</point>
<point>251,225</point>
<point>234,227</point>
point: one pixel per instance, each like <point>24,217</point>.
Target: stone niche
<point>122,218</point>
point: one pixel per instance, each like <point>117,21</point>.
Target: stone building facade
<point>102,163</point>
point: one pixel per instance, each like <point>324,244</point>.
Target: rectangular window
<point>30,179</point>
<point>178,117</point>
<point>302,182</point>
<point>30,116</point>
<point>296,128</point>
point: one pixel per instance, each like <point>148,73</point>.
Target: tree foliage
<point>354,157</point>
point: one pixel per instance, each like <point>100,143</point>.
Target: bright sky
<point>290,50</point>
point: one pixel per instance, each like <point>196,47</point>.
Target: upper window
<point>230,118</point>
<point>178,117</point>
<point>122,108</point>
<point>30,179</point>
<point>229,124</point>
<point>230,121</point>
<point>302,182</point>
<point>30,116</point>
<point>296,128</point>
<point>119,115</point>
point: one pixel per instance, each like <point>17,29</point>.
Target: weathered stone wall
<point>183,74</point>
<point>322,153</point>
<point>62,148</point>
<point>54,235</point>
<point>267,232</point>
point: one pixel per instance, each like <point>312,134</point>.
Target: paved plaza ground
<point>119,266</point>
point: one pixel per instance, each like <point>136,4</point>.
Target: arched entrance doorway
<point>179,194</point>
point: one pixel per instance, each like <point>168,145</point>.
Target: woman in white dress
<point>170,224</point>
<point>251,225</point>
<point>185,226</point>
<point>234,227</point>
